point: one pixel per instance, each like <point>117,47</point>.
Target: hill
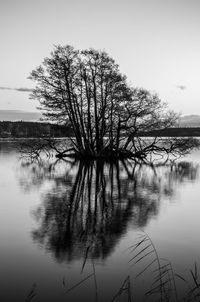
<point>19,115</point>
<point>190,121</point>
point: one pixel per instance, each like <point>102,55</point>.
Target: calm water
<point>62,221</point>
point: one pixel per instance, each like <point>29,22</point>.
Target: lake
<point>69,230</point>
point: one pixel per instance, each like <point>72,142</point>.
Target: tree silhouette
<point>85,89</point>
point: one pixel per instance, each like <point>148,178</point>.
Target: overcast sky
<point>155,42</point>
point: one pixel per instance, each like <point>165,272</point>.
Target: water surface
<point>61,221</point>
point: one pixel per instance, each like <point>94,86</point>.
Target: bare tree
<point>86,90</point>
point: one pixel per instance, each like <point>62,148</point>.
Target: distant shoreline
<point>21,129</point>
<point>31,130</point>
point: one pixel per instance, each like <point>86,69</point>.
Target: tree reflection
<point>88,206</point>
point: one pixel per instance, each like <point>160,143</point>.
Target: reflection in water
<point>88,206</point>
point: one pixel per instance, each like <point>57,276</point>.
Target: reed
<point>163,286</point>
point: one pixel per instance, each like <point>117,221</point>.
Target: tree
<point>85,89</point>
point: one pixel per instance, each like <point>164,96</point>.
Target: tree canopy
<point>85,89</point>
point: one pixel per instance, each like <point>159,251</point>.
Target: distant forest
<point>174,132</point>
<point>34,129</point>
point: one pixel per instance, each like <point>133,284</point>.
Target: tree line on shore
<point>173,132</point>
<point>19,129</point>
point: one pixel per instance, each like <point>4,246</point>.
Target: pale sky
<point>155,42</point>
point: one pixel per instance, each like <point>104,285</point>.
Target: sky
<point>155,42</point>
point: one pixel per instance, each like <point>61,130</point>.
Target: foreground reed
<point>164,279</point>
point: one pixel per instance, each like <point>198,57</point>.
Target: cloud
<point>181,87</point>
<point>5,88</point>
<point>21,89</point>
